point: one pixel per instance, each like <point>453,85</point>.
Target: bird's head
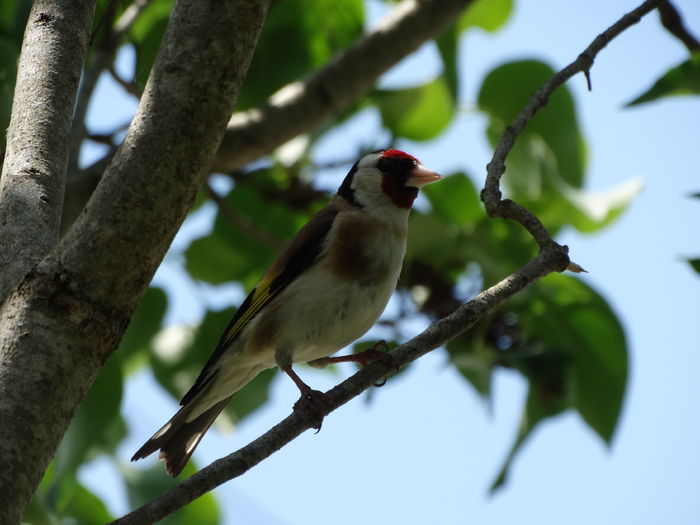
<point>385,178</point>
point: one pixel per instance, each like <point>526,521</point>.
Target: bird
<point>325,290</point>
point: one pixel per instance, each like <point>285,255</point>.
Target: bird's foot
<point>363,358</point>
<point>315,404</point>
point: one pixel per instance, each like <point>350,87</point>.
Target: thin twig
<point>491,194</point>
<point>672,21</point>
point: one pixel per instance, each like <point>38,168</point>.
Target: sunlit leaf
<point>312,33</point>
<point>683,79</point>
<point>505,91</point>
<point>456,200</point>
<point>488,15</point>
<point>418,113</point>
<point>591,211</point>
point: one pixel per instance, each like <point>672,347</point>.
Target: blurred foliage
<point>559,335</point>
<point>683,79</point>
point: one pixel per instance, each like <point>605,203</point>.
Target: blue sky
<point>425,448</point>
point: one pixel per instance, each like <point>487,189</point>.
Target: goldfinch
<point>324,291</point>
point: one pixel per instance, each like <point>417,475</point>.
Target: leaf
<point>488,15</point>
<point>571,347</point>
<point>86,508</point>
<point>144,485</point>
<point>591,211</point>
<point>97,425</point>
<point>504,92</point>
<point>176,369</point>
<point>147,34</point>
<point>456,200</point>
<point>684,79</point>
<point>229,253</point>
<point>313,35</point>
<point>546,166</point>
<point>562,316</point>
<point>448,46</point>
<point>418,113</point>
<point>13,20</point>
<point>534,413</point>
<point>695,264</point>
<point>475,361</point>
<point>145,323</point>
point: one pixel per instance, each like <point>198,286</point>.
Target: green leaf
<point>489,15</point>
<point>86,508</point>
<point>313,33</point>
<point>144,485</point>
<point>475,361</point>
<point>536,410</point>
<point>456,200</point>
<point>695,264</point>
<point>232,253</point>
<point>13,19</point>
<point>251,397</point>
<point>144,324</point>
<point>147,34</point>
<point>504,92</point>
<point>683,79</point>
<point>448,46</point>
<point>575,331</point>
<point>177,361</point>
<point>418,113</point>
<point>571,347</point>
<point>591,211</point>
<point>176,369</point>
<point>97,425</point>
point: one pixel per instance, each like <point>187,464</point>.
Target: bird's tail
<point>178,438</point>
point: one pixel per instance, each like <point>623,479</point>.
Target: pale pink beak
<point>420,176</point>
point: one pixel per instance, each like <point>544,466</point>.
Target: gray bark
<point>38,139</point>
<point>66,317</point>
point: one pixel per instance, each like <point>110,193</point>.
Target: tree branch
<point>38,140</point>
<point>672,21</point>
<point>302,106</point>
<point>440,332</point>
<point>552,257</point>
<point>67,316</point>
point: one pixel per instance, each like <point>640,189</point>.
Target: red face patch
<point>398,154</point>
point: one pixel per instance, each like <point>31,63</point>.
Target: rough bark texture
<point>67,316</point>
<point>38,139</point>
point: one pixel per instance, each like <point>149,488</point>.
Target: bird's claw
<point>315,404</point>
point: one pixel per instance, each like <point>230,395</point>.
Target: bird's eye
<point>397,167</point>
